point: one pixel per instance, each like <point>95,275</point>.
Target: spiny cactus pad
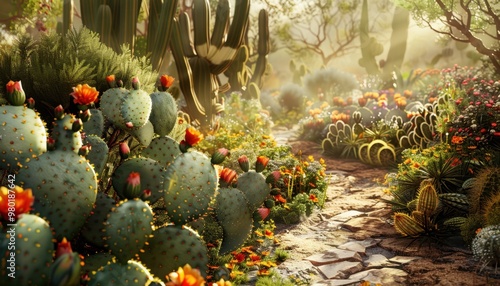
<point>64,186</point>
<point>255,188</point>
<point>95,125</point>
<point>132,273</point>
<point>172,247</point>
<point>151,172</point>
<point>144,134</point>
<point>234,216</point>
<point>190,183</point>
<point>127,228</point>
<point>65,138</point>
<point>34,250</point>
<point>163,150</point>
<point>98,155</point>
<point>22,136</point>
<point>163,113</point>
<point>93,229</point>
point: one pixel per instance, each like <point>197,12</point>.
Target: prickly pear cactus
<point>164,112</point>
<point>33,252</point>
<point>234,215</point>
<point>93,229</point>
<point>23,136</point>
<point>143,134</point>
<point>110,100</point>
<point>98,155</point>
<point>486,245</point>
<point>64,184</point>
<point>95,125</point>
<point>131,273</point>
<point>255,188</point>
<point>163,150</point>
<point>190,183</point>
<point>172,247</point>
<point>151,172</point>
<point>127,229</point>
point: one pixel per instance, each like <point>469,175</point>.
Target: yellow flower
<point>221,282</point>
<point>186,276</point>
<point>310,158</point>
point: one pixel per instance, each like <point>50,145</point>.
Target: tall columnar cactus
<point>64,183</point>
<point>370,48</point>
<point>199,63</point>
<point>262,49</point>
<point>116,22</point>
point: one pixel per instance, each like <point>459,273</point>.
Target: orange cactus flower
<point>313,198</point>
<point>228,175</point>
<point>280,199</point>
<point>457,140</point>
<point>186,276</point>
<point>261,163</point>
<point>84,94</point>
<point>268,233</point>
<point>192,136</point>
<point>15,202</point>
<point>166,80</point>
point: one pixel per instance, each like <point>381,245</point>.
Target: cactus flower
<point>186,276</point>
<point>15,93</point>
<point>124,150</point>
<point>136,84</point>
<point>243,162</point>
<point>192,136</point>
<point>261,163</point>
<point>129,125</point>
<point>84,94</point>
<point>219,155</point>
<point>166,81</point>
<point>227,176</point>
<point>15,202</point>
<point>63,247</point>
<point>133,189</point>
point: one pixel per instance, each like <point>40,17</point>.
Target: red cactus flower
<point>313,198</point>
<point>15,202</point>
<point>166,81</point>
<point>192,136</point>
<point>280,199</point>
<point>228,175</point>
<point>14,86</point>
<point>63,247</point>
<point>84,94</point>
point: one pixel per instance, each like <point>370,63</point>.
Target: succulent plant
<point>130,273</point>
<point>486,245</point>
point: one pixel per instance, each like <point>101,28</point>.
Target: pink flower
<point>263,212</point>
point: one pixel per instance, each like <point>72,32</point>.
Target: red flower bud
<point>129,125</point>
<point>227,176</point>
<point>63,247</point>
<point>110,79</point>
<point>243,162</point>
<point>219,155</point>
<point>59,112</point>
<point>133,189</point>
<point>124,150</point>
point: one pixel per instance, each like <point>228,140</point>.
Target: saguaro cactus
<point>201,61</point>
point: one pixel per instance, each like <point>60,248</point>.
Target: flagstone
<point>334,255</point>
<point>385,276</point>
<point>353,246</point>
<point>341,269</point>
<point>403,259</point>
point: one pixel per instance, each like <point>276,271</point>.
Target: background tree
<point>476,22</point>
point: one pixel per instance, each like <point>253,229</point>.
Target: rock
<point>378,261</point>
<point>353,246</point>
<point>365,227</point>
<point>384,276</point>
<point>334,255</point>
<point>341,269</point>
<point>343,217</point>
<point>402,260</point>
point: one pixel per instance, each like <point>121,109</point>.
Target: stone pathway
<point>352,238</point>
<point>339,245</point>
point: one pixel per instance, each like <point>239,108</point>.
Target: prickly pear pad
<point>190,183</point>
<point>172,247</point>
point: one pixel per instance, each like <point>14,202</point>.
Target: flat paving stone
<point>378,261</point>
<point>340,269</point>
<point>403,259</point>
<point>344,217</point>
<point>336,282</point>
<point>353,246</point>
<point>385,276</point>
<point>334,255</point>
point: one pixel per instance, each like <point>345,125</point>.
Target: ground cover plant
<point>113,172</point>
